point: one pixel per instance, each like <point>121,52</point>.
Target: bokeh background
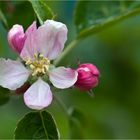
<point>114,112</point>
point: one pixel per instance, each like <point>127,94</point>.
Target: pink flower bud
<point>88,76</point>
<point>16,38</point>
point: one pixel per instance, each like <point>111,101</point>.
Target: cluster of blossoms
<point>36,48</point>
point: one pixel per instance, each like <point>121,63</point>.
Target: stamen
<point>41,55</point>
<point>32,66</point>
<point>39,66</point>
<point>28,62</point>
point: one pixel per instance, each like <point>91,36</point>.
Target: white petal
<point>13,74</point>
<point>62,77</point>
<point>38,96</point>
<point>50,38</point>
<point>29,48</point>
<point>31,28</point>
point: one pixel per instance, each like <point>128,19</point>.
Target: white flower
<point>39,46</point>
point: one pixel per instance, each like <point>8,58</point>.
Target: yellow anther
<point>43,71</point>
<point>28,62</point>
<point>35,55</point>
<point>32,66</point>
<point>39,65</point>
<point>41,56</point>
<point>46,67</point>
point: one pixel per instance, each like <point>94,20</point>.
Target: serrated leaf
<point>94,16</point>
<point>76,122</point>
<point>4,95</point>
<point>37,125</point>
<point>43,12</point>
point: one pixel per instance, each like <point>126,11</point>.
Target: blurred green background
<point>115,110</point>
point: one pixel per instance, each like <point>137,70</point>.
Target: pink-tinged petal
<point>50,38</point>
<point>94,70</point>
<point>31,29</point>
<point>16,38</point>
<point>29,48</point>
<point>62,77</point>
<point>13,74</point>
<point>38,96</point>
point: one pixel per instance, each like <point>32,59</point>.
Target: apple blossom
<point>88,76</point>
<point>37,47</point>
<point>16,38</point>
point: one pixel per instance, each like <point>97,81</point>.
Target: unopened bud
<point>16,38</point>
<point>88,76</point>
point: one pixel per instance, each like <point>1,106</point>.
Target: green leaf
<point>94,16</point>
<point>43,12</point>
<point>4,95</point>
<point>37,125</point>
<point>14,15</point>
<point>3,19</point>
<point>76,122</point>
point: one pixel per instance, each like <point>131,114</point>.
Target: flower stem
<point>62,105</point>
<point>94,30</point>
<point>66,51</point>
<point>107,23</point>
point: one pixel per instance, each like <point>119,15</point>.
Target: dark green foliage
<point>4,95</point>
<point>93,16</point>
<point>17,12</point>
<point>43,12</point>
<point>37,125</point>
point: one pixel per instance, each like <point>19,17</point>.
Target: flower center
<point>39,65</point>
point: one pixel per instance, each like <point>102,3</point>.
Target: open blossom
<point>88,76</point>
<point>37,47</point>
